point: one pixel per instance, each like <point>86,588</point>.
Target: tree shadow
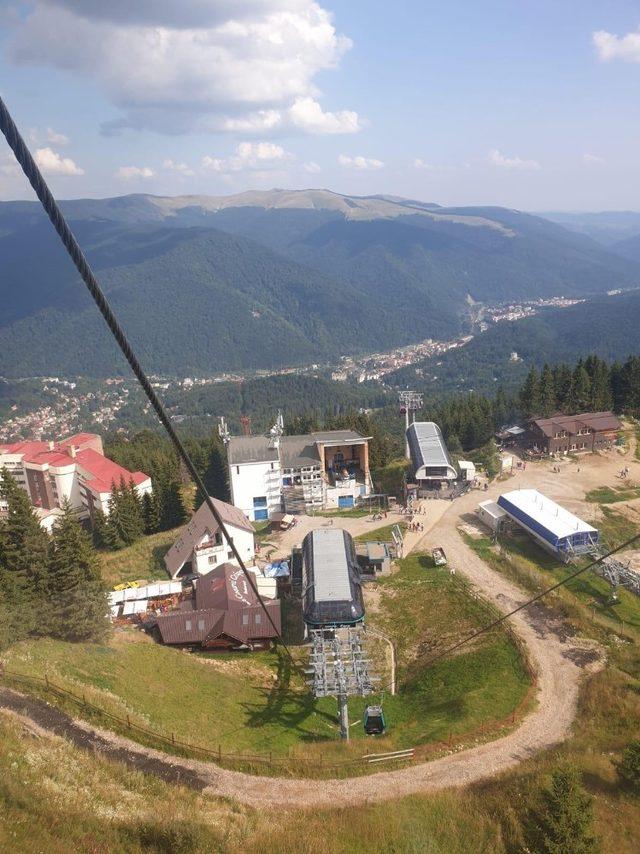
<point>285,706</point>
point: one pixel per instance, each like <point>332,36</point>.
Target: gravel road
<point>559,660</point>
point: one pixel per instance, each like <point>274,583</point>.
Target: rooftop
<point>558,521</point>
<point>330,567</point>
<point>427,446</point>
<point>597,421</point>
<point>295,451</point>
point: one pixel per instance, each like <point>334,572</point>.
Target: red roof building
<point>74,469</point>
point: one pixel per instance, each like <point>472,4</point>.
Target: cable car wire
<point>42,191</point>
<point>494,623</point>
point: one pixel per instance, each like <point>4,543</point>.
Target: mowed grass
<point>588,596</point>
<point>382,534</point>
<point>142,560</point>
<point>613,494</point>
<point>256,703</point>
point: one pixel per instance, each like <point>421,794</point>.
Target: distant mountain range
<point>262,279</point>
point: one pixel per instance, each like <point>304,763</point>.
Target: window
<point>187,625</point>
<point>245,619</point>
<point>200,625</point>
<point>260,501</point>
<point>230,554</point>
<point>212,558</point>
<point>271,466</point>
<point>237,469</point>
<point>258,619</point>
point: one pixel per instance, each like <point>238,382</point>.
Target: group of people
<point>415,526</point>
<point>624,473</point>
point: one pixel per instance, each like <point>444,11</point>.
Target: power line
<point>35,178</point>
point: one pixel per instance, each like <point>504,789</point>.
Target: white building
<point>200,547</point>
<point>74,469</point>
<point>298,474</point>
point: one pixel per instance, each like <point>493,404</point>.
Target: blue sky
<point>530,105</point>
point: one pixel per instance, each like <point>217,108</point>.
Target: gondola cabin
<point>374,722</point>
<point>332,590</point>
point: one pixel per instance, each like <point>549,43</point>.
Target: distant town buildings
<point>74,469</point>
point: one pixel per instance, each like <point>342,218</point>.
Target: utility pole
<point>343,711</point>
<point>410,402</point>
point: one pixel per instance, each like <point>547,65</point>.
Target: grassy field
<point>142,560</point>
<point>534,569</point>
<point>382,534</point>
<point>611,495</point>
<point>254,703</point>
<point>353,513</point>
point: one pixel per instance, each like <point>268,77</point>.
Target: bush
<point>629,767</point>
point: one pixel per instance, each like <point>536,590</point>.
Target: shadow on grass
<point>285,706</point>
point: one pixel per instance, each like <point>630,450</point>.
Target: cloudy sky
<point>527,104</point>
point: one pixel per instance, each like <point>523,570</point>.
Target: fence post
<point>173,739</point>
<point>84,700</point>
<point>128,722</point>
<point>219,753</point>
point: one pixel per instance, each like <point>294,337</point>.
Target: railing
<point>287,765</point>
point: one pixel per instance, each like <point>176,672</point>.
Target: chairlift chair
<point>374,722</point>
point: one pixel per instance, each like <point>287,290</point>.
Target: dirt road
<point>560,662</point>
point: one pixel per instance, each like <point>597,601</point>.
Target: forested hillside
<point>606,326</point>
<point>205,284</point>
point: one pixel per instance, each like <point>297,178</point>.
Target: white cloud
<point>422,164</point>
<point>51,163</point>
<point>180,168</point>
<point>127,173</point>
<point>609,46</point>
<point>498,159</point>
<point>359,162</point>
<point>9,165</point>
<point>237,65</point>
<point>56,138</point>
<point>308,115</point>
<point>249,156</point>
<point>311,167</point>
<point>592,159</point>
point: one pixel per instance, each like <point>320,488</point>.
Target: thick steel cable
<point>35,178</point>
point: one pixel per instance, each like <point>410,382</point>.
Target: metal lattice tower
<point>339,668</point>
<point>410,402</point>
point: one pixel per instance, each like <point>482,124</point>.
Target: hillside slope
<point>606,326</point>
<point>192,300</point>
<point>305,275</point>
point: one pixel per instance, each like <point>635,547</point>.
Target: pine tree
<point>215,474</point>
<point>547,392</point>
<point>530,395</point>
<point>580,397</point>
<point>99,531</point>
<point>150,513</point>
<point>25,546</point>
<point>565,820</point>
<point>173,509</point>
<point>112,538</point>
<point>77,601</point>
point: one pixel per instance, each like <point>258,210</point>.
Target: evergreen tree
<point>77,600</point>
<point>562,384</point>
<point>173,509</point>
<point>25,544</point>
<point>112,538</point>
<point>565,820</point>
<point>530,395</point>
<point>547,392</point>
<point>150,513</point>
<point>215,474</point>
<point>99,532</point>
<point>130,517</point>
<point>580,397</point>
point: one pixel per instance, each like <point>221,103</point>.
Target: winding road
<point>560,662</point>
